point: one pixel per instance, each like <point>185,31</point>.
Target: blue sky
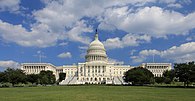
<point>133,31</point>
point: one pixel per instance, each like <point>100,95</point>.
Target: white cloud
<point>115,61</point>
<point>155,21</point>
<point>132,51</point>
<point>137,59</point>
<point>175,5</point>
<point>127,40</point>
<point>39,35</point>
<point>105,26</point>
<point>83,51</point>
<point>149,52</point>
<point>65,55</point>
<point>9,64</point>
<point>183,53</point>
<point>63,44</point>
<point>62,20</point>
<point>66,15</point>
<point>76,33</point>
<point>83,47</point>
<point>9,5</point>
<point>185,1</point>
<point>167,1</point>
<point>190,38</point>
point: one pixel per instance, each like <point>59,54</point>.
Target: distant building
<point>157,68</point>
<point>96,69</point>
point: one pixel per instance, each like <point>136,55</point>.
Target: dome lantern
<point>96,35</point>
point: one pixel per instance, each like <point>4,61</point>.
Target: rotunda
<point>96,51</point>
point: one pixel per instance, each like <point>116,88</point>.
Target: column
<point>95,70</point>
<point>84,70</point>
<point>86,67</point>
<point>102,70</point>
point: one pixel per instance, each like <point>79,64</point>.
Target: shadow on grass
<point>173,86</point>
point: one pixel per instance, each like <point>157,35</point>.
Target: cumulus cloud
<point>183,53</point>
<point>176,5</point>
<point>115,61</point>
<point>9,5</point>
<point>76,33</point>
<point>153,20</point>
<point>39,35</point>
<point>64,20</point>
<point>127,40</point>
<point>63,15</point>
<point>65,55</point>
<point>63,44</point>
<point>83,51</point>
<point>9,64</point>
<point>190,38</point>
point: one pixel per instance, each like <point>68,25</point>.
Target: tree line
<point>16,76</point>
<point>182,72</point>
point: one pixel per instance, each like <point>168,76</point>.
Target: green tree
<point>139,76</point>
<point>159,79</point>
<point>169,75</point>
<point>2,77</point>
<point>62,76</point>
<point>14,76</point>
<point>47,77</point>
<point>167,80</point>
<point>185,72</point>
<point>192,74</point>
<point>32,78</point>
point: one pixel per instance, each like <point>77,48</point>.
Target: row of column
<point>33,69</point>
<point>92,70</point>
<point>94,58</point>
<point>157,67</point>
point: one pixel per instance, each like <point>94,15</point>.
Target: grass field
<point>96,93</point>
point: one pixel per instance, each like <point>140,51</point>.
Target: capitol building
<point>95,70</point>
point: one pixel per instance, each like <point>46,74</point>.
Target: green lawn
<point>96,93</point>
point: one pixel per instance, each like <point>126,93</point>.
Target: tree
<point>167,80</point>
<point>169,75</point>
<point>14,76</point>
<point>32,78</point>
<point>139,76</point>
<point>47,77</point>
<point>185,72</point>
<point>2,77</point>
<point>192,74</point>
<point>159,79</point>
<point>62,76</point>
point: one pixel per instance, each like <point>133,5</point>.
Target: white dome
<point>96,44</point>
<point>96,51</point>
